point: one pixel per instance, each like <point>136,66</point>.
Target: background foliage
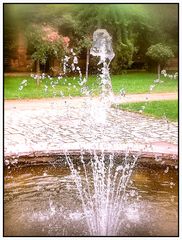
<point>133,27</point>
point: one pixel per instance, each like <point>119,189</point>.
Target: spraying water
<point>102,48</point>
<point>103,186</point>
<point>102,191</point>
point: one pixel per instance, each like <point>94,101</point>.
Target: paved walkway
<point>79,101</point>
<point>57,124</point>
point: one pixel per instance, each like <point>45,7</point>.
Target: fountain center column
<point>102,48</point>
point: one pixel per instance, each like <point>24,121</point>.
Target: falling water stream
<point>103,204</point>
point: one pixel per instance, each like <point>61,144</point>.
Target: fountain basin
<point>41,197</point>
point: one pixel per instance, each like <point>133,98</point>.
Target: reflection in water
<point>43,201</point>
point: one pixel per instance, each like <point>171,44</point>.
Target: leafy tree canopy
<point>133,27</point>
<point>45,41</point>
<point>160,53</point>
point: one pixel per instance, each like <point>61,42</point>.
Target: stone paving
<point>72,124</point>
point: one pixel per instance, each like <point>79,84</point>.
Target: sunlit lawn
<point>140,82</point>
<point>134,82</point>
<point>160,109</point>
<point>47,88</point>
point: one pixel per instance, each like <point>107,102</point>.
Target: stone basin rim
<point>48,156</point>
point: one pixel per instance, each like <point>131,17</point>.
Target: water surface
<point>42,200</point>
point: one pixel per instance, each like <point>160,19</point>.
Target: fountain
<point>103,200</point>
<point>98,198</point>
<point>102,48</point>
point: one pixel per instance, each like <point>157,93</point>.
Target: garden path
<point>46,125</point>
<point>76,101</point>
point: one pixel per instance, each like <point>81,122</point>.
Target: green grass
<point>135,82</point>
<point>70,87</point>
<point>140,82</point>
<point>158,109</point>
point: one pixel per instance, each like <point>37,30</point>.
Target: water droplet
<point>24,81</point>
<point>20,88</point>
<point>6,162</point>
<point>166,170</point>
<point>152,87</point>
<point>119,168</point>
<point>75,60</point>
<point>172,184</point>
<point>156,80</point>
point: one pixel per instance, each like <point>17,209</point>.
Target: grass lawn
<point>133,82</point>
<point>48,87</point>
<point>140,82</point>
<point>158,109</point>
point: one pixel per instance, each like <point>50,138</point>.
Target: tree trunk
<point>38,72</point>
<point>159,71</point>
<point>87,63</point>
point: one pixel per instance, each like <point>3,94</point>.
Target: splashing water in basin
<point>43,200</point>
<point>103,201</point>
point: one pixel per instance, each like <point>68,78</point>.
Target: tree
<point>133,27</point>
<point>85,42</point>
<point>45,42</point>
<point>159,53</point>
<point>128,20</point>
